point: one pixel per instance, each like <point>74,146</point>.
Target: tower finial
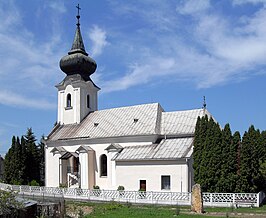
<point>78,16</point>
<point>204,103</point>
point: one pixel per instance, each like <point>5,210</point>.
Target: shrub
<point>34,183</point>
<point>62,185</point>
<point>121,188</point>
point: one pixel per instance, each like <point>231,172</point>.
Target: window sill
<point>68,108</point>
<point>103,176</point>
<point>166,190</point>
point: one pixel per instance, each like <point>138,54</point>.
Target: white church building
<point>139,147</point>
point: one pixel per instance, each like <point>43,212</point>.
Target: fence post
<point>211,198</point>
<point>234,199</point>
<point>20,189</point>
<point>258,199</point>
<point>135,195</point>
<point>30,189</point>
<point>152,197</point>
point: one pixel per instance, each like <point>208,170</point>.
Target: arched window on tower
<point>103,165</point>
<point>88,101</point>
<point>68,103</point>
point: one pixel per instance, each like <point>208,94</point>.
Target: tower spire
<point>78,61</point>
<point>78,45</point>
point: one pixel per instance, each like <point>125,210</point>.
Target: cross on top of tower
<point>204,103</point>
<point>78,16</point>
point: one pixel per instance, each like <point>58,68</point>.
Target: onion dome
<point>78,61</point>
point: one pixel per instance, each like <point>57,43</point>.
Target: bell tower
<point>77,93</point>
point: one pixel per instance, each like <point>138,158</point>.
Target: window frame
<point>68,101</point>
<point>88,101</point>
<point>165,184</point>
<point>103,166</point>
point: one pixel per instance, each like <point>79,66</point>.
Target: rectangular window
<point>142,185</point>
<point>165,183</point>
<point>88,101</point>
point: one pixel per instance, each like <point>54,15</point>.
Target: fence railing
<point>148,197</point>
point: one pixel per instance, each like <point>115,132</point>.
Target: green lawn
<point>116,210</point>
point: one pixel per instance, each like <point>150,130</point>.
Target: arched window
<point>68,103</point>
<point>88,101</point>
<point>103,165</point>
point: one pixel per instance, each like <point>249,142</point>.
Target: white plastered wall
<point>79,109</point>
<point>109,182</point>
<point>84,170</point>
<point>129,174</point>
<point>51,168</point>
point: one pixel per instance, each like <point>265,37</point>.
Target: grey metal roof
<point>113,122</point>
<point>58,149</point>
<point>83,148</point>
<point>166,149</point>
<point>68,155</point>
<point>180,122</point>
<point>146,119</point>
<point>114,147</point>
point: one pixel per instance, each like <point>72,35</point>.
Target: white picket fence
<point>149,197</point>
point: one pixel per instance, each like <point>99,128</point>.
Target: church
<point>139,147</point>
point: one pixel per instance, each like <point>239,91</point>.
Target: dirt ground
<point>73,211</point>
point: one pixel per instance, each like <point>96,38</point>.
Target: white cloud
<point>98,38</point>
<point>192,6</point>
<point>16,100</point>
<point>57,5</point>
<point>242,2</point>
<point>213,50</point>
<point>29,65</point>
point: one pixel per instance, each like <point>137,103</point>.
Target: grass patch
<point>117,210</point>
<point>256,210</point>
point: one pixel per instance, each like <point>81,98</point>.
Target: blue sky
<point>173,52</point>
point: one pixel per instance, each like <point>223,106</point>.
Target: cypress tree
<point>227,159</point>
<point>250,175</point>
<point>12,171</point>
<point>197,150</point>
<point>263,160</point>
<point>199,154</point>
<point>41,161</point>
<point>237,145</point>
<point>24,161</point>
<point>213,145</point>
<point>8,170</point>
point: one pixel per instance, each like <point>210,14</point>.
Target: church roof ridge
<point>130,106</point>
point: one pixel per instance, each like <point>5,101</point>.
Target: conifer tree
<point>41,161</point>
<point>32,171</point>
<point>8,170</point>
<point>237,144</point>
<point>199,151</point>
<point>262,161</point>
<point>250,175</point>
<point>227,160</point>
<point>213,145</point>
